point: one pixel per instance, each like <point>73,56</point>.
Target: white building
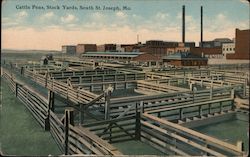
<point>119,48</point>
<point>228,48</point>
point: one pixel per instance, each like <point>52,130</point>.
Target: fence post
<point>137,123</point>
<point>244,87</point>
<point>240,146</point>
<point>81,114</point>
<point>51,100</point>
<point>142,106</point>
<point>47,120</point>
<point>180,113</point>
<point>16,89</point>
<point>69,119</point>
<point>107,95</point>
<point>22,70</point>
<point>50,106</point>
<point>232,93</point>
<point>211,92</point>
<point>46,79</point>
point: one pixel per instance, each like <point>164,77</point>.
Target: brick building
<point>242,45</point>
<point>185,59</point>
<point>215,52</point>
<point>82,48</point>
<point>215,43</point>
<point>159,47</point>
<point>147,59</point>
<point>106,48</point>
<point>162,48</point>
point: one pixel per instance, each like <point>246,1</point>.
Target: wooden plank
<point>98,140</point>
<point>194,133</point>
<point>189,105</point>
<point>182,139</point>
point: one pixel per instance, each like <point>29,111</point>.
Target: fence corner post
<point>16,89</point>
<point>69,119</point>
<point>138,122</point>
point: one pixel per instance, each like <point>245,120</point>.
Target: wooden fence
<point>120,106</point>
<point>174,139</point>
<point>115,130</point>
<point>70,139</point>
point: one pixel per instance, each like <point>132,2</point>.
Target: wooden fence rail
<point>171,137</point>
<point>70,139</point>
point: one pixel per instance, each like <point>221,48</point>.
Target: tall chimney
<point>201,27</point>
<point>183,23</point>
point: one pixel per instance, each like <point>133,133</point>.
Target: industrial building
<point>82,48</point>
<point>209,52</point>
<point>106,48</point>
<point>228,48</point>
<point>147,59</point>
<point>69,49</point>
<point>242,45</point>
<point>215,43</point>
<point>185,59</point>
<point>121,56</point>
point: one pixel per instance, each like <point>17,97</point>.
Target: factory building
<point>82,48</point>
<point>69,49</point>
<point>106,48</point>
<point>147,59</point>
<point>185,59</point>
<point>159,47</point>
<point>215,43</point>
<point>242,45</point>
<point>228,48</point>
<point>209,52</point>
<point>118,56</point>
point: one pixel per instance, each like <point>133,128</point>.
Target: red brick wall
<point>175,62</point>
<point>90,48</point>
<point>206,51</point>
<point>188,63</point>
<point>242,45</point>
<point>81,48</point>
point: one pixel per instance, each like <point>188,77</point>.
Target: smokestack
<point>201,27</point>
<point>137,38</point>
<point>183,23</point>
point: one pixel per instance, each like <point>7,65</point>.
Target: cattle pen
<point>89,106</point>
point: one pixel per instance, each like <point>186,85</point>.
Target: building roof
<point>222,39</point>
<point>183,56</point>
<point>113,54</point>
<point>68,45</point>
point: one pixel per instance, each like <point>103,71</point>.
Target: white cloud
<point>8,22</point>
<point>221,16</point>
<point>161,15</point>
<point>121,14</point>
<point>47,16</point>
<point>69,18</point>
<point>97,16</point>
<point>22,14</point>
<point>15,20</point>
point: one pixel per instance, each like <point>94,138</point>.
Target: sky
<point>49,24</point>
